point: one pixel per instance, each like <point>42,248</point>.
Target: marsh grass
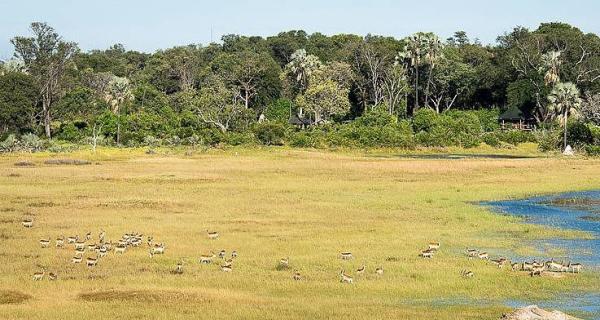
<point>272,203</point>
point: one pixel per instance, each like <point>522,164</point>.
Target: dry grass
<point>268,205</point>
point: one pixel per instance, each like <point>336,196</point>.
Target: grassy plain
<point>269,204</point>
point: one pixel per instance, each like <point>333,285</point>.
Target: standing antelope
<point>52,276</point>
<point>346,255</point>
<point>297,275</point>
<point>212,234</point>
<point>483,255</point>
<point>207,258</point>
<point>76,259</point>
<point>379,270</point>
<point>345,277</point>
<point>39,275</point>
<point>537,271</point>
<point>234,254</point>
<point>120,248</point>
<point>467,273</point>
<point>472,253</point>
<point>91,262</point>
<point>72,239</point>
<point>158,248</point>
<point>80,245</point>
<point>427,253</point>
<point>27,223</point>
<point>284,262</point>
<point>226,268</point>
<point>434,246</point>
<point>45,243</point>
<point>88,236</point>
<point>101,236</point>
<point>60,242</point>
<point>222,254</point>
<point>575,267</point>
<point>178,268</point>
<point>361,270</point>
<point>515,266</point>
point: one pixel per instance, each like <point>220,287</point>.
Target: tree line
<point>250,85</point>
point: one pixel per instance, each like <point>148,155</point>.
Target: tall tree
<point>564,101</point>
<point>46,57</point>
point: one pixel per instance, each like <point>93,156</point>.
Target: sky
<point>148,25</point>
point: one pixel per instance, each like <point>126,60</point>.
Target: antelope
<point>91,262</point>
<point>284,262</point>
<point>88,236</point>
<point>79,245</point>
<point>346,255</point>
<point>467,273</point>
<point>345,277</point>
<point>76,259</point>
<point>149,241</point>
<point>537,264</point>
<point>207,258</point>
<point>91,247</point>
<point>553,266</point>
<point>158,248</point>
<point>434,245</point>
<point>564,268</point>
<point>427,253</point>
<point>178,268</point>
<point>60,242</point>
<point>212,234</point>
<point>229,261</point>
<point>72,239</point>
<point>39,275</point>
<point>361,270</point>
<point>45,242</point>
<point>515,266</point>
<point>27,223</point>
<point>483,255</point>
<point>222,254</point>
<point>52,276</point>
<point>101,236</point>
<point>102,252</point>
<point>234,254</point>
<point>379,270</point>
<point>120,248</point>
<point>527,266</point>
<point>537,271</point>
<point>472,253</point>
<point>297,276</point>
<point>499,262</point>
<point>79,251</point>
<point>575,267</point>
<point>226,268</point>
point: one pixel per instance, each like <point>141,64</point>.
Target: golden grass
<point>269,204</point>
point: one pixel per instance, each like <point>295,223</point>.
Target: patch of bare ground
<point>69,162</point>
<point>13,297</point>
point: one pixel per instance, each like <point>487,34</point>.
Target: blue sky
<point>147,25</point>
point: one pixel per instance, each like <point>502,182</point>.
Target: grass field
<point>269,204</point>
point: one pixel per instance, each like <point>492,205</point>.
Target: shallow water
<point>575,211</point>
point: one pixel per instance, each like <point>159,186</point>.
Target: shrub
<point>548,140</point>
<point>424,120</point>
<point>31,143</point>
<point>150,141</point>
<point>515,137</point>
<point>593,150</point>
<point>595,131</point>
<point>239,138</point>
<point>270,133</point>
<point>279,111</point>
<point>491,139</point>
<point>579,134</point>
<point>10,144</point>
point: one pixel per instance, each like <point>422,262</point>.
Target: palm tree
<point>564,101</point>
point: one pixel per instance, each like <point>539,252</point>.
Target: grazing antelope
<point>345,277</point>
<point>472,253</point>
<point>527,266</point>
<point>234,254</point>
<point>427,253</point>
<point>467,273</point>
<point>212,234</point>
<point>178,268</point>
<point>434,246</point>
<point>575,267</point>
<point>27,223</point>
<point>88,236</point>
<point>91,262</point>
<point>297,276</point>
<point>515,266</point>
<point>60,242</point>
<point>39,275</point>
<point>207,258</point>
<point>379,270</point>
<point>149,241</point>
<point>483,255</point>
<point>553,266</point>
<point>76,259</point>
<point>120,248</point>
<point>101,236</point>
<point>52,276</point>
<point>45,243</point>
<point>72,239</point>
<point>346,255</point>
<point>158,248</point>
<point>499,262</point>
<point>226,268</point>
<point>537,271</point>
<point>284,262</point>
<point>102,252</point>
<point>222,254</point>
<point>361,270</point>
<point>80,245</point>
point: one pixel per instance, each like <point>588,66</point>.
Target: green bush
<point>32,143</point>
<point>279,111</point>
<point>424,120</point>
<point>579,134</point>
<point>515,137</point>
<point>239,138</point>
<point>548,140</point>
<point>593,150</point>
<point>10,144</point>
<point>595,131</point>
<point>270,133</point>
<point>491,139</point>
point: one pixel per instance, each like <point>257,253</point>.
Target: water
<point>575,211</point>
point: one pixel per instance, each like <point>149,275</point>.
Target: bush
<point>491,139</point>
<point>10,144</point>
<point>239,138</point>
<point>279,111</point>
<point>424,120</point>
<point>31,143</point>
<point>595,131</point>
<point>593,150</point>
<point>579,134</point>
<point>270,133</point>
<point>515,137</point>
<point>548,140</point>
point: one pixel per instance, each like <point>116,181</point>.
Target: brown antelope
<point>553,266</point>
<point>72,239</point>
<point>575,267</point>
<point>79,252</point>
<point>52,276</point>
<point>467,273</point>
<point>27,223</point>
<point>499,262</point>
<point>427,253</point>
<point>80,245</point>
<point>379,270</point>
<point>226,268</point>
<point>207,258</point>
<point>346,255</point>
<point>234,254</point>
<point>212,234</point>
<point>527,266</point>
<point>345,277</point>
<point>178,268</point>
<point>91,247</point>
<point>515,266</point>
<point>433,246</point>
<point>101,236</point>
<point>120,248</point>
<point>537,271</point>
<point>91,262</point>
<point>297,276</point>
<point>45,243</point>
<point>60,242</point>
<point>284,262</point>
<point>483,255</point>
<point>222,254</point>
<point>88,236</point>
<point>76,259</point>
<point>158,248</point>
<point>472,253</point>
<point>39,275</point>
<point>361,270</point>
<point>102,252</point>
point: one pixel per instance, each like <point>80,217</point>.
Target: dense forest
<point>306,90</point>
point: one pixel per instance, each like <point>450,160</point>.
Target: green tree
<point>324,98</point>
<point>216,104</point>
<point>46,57</point>
<point>18,98</point>
<point>564,101</point>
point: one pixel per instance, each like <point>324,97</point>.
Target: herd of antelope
<point>102,247</point>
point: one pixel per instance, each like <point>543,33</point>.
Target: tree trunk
<point>565,133</point>
<point>416,88</point>
<point>47,119</point>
